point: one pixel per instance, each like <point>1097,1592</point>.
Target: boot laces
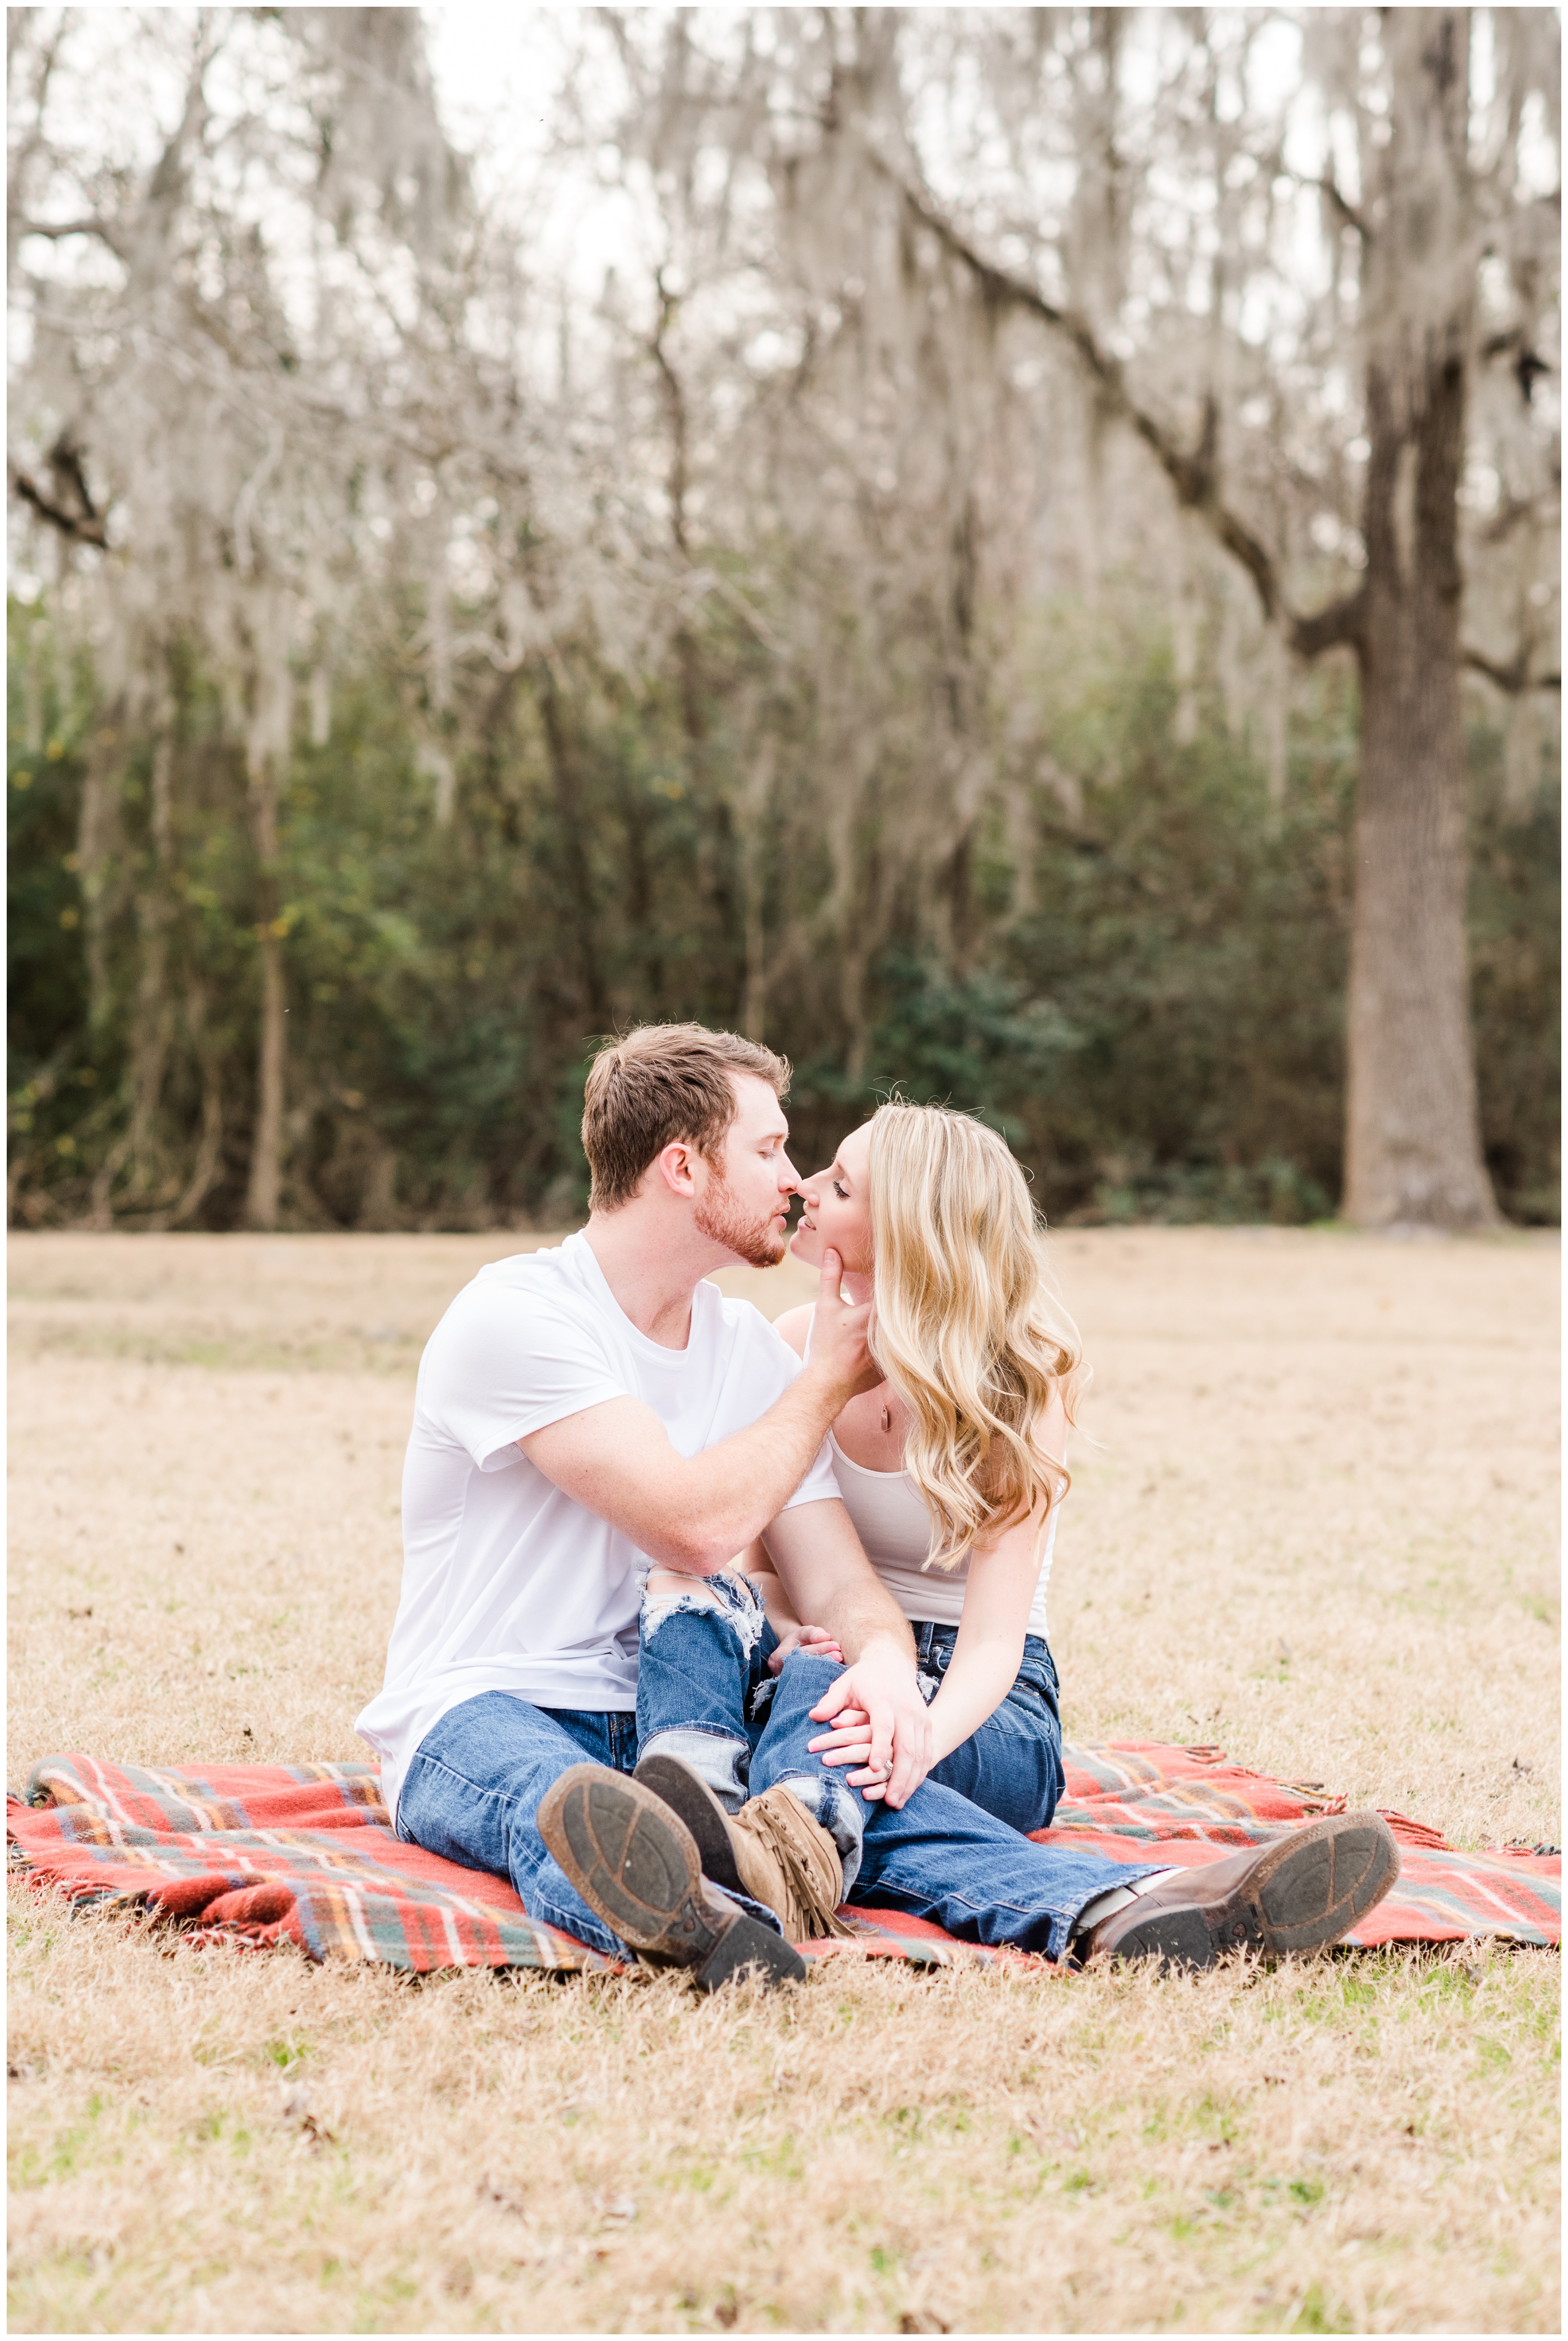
<point>809,1887</point>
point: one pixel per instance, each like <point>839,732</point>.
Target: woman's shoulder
<point>795,1326</point>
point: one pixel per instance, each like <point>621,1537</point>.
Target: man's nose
<point>789,1177</point>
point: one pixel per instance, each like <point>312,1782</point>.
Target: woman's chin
<point>806,1246</point>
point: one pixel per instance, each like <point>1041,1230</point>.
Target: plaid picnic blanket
<point>267,1853</point>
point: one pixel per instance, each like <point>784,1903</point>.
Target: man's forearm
<point>729,1493</point>
<point>860,1614</point>
<point>828,1579</point>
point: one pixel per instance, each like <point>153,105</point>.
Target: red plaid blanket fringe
<point>258,1853</point>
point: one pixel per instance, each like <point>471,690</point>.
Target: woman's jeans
<point>1012,1766</point>
<point>704,1693</point>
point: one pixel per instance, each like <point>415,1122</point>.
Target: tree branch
<point>1347,212</point>
<point>1329,629</point>
<point>82,528</point>
<point>1513,678</point>
<point>675,398</point>
<point>1193,476</point>
<point>55,229</point>
<point>1528,363</point>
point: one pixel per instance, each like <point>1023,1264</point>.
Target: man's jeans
<point>477,1781</point>
<point>704,1693</point>
<point>473,1787</point>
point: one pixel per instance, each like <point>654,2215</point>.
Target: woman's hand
<point>849,1742</point>
<point>881,1685</point>
<point>815,1640</point>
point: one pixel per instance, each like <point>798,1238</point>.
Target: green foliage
<point>1151,1008</point>
<point>979,1041</point>
<point>1193,937</point>
<point>55,1080</point>
<point>1516,959</point>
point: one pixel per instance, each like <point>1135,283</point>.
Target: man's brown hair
<point>659,1083</point>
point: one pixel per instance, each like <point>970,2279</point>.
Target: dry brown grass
<point>1317,1530</point>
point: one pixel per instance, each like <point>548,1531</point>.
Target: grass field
<point>1314,1525</point>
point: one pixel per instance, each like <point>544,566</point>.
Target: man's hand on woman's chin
<point>840,1333</point>
<point>880,1721</point>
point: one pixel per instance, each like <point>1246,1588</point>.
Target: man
<point>586,1412</point>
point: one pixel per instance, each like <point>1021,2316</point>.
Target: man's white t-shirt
<point>508,1584</point>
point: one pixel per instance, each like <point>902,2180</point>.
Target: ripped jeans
<point>704,1693</point>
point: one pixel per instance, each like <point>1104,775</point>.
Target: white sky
<point>498,74</point>
<point>496,69</point>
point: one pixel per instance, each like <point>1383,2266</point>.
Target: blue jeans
<point>474,1786</point>
<point>1012,1766</point>
<point>473,1789</point>
<point>704,1693</point>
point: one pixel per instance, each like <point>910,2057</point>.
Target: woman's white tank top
<point>893,1524</point>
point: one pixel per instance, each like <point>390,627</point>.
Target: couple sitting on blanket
<point>625,1495</point>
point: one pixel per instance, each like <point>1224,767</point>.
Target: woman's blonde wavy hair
<point>966,1325</point>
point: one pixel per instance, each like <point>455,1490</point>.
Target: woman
<point>953,1470</point>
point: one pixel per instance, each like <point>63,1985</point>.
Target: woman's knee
<point>1015,1782</point>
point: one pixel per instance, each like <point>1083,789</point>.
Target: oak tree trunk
<point>153,1017</point>
<point>1412,1151</point>
<point>1413,1133</point>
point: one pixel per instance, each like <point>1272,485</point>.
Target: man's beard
<point>719,1216</point>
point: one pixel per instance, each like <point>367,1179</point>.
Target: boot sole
<point>633,1861</point>
<point>1309,1889</point>
<point>688,1794</point>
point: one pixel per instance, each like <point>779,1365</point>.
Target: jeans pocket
<point>1038,1672</point>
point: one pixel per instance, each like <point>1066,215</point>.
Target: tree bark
<point>210,1146</point>
<point>567,776</point>
<point>267,1149</point>
<point>1413,1127</point>
<point>152,1020</point>
<point>265,1182</point>
<point>1413,1134</point>
<point>686,653</point>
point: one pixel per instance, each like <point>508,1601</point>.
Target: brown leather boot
<point>771,1849</point>
<point>1299,1892</point>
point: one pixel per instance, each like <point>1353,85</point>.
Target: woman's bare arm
<point>756,1564</point>
<point>1000,1590</point>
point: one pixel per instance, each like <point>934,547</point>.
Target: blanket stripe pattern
<point>258,1853</point>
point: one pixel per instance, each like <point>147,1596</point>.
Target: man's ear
<point>676,1166</point>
